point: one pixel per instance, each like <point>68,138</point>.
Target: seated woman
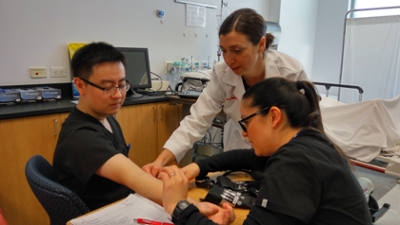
<point>306,178</point>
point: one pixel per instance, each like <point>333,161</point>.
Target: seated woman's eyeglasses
<point>243,122</point>
<point>110,90</point>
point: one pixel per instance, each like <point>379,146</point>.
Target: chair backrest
<point>60,203</point>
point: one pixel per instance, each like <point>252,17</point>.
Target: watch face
<point>182,205</point>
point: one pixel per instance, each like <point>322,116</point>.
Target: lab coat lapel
<point>236,84</point>
<point>239,88</point>
<point>234,92</point>
<point>271,70</point>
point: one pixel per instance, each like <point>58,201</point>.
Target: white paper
<point>124,213</point>
<point>195,16</point>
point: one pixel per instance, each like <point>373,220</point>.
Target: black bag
<point>241,194</point>
<point>374,209</point>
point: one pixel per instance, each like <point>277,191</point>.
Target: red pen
<point>152,222</point>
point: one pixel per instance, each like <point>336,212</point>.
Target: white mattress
<point>363,129</point>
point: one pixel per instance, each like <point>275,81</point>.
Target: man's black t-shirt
<point>83,146</point>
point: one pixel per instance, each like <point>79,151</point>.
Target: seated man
<point>91,153</point>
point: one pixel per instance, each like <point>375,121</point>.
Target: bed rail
<point>329,85</point>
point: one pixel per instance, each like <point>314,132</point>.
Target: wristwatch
<point>176,214</point>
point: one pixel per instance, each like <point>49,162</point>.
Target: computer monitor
<point>137,69</point>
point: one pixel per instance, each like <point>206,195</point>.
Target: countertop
<point>61,106</point>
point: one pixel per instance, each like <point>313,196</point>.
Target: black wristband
<point>204,183</point>
<point>181,219</point>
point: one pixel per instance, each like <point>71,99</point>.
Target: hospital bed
<point>367,131</point>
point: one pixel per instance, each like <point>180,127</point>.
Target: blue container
<point>75,92</point>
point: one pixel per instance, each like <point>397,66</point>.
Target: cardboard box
<point>9,97</point>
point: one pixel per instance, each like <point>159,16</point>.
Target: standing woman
<point>247,60</point>
<point>306,179</point>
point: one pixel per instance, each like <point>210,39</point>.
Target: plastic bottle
<point>75,92</point>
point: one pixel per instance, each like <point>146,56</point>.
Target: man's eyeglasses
<point>243,122</point>
<point>110,90</point>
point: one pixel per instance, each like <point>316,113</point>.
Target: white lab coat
<point>225,91</point>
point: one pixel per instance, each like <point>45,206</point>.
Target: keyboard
<point>189,94</point>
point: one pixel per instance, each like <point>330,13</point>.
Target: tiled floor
<point>382,182</point>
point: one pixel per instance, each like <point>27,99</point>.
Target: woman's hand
<point>153,168</point>
<point>225,215</point>
<point>207,208</point>
<point>191,171</point>
<point>175,187</point>
<point>163,159</point>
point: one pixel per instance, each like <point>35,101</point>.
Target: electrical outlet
<point>168,66</point>
<point>38,72</point>
<point>58,71</point>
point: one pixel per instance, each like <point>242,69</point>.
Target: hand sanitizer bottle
<point>75,92</point>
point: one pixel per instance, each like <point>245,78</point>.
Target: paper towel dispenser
<point>274,29</point>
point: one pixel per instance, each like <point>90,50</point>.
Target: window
<point>365,4</point>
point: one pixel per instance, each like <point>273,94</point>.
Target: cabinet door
<point>169,116</point>
<point>20,139</point>
<point>139,125</point>
<point>63,117</point>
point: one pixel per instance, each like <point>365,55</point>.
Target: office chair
<point>60,203</point>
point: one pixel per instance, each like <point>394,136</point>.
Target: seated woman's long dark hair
<point>299,100</point>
